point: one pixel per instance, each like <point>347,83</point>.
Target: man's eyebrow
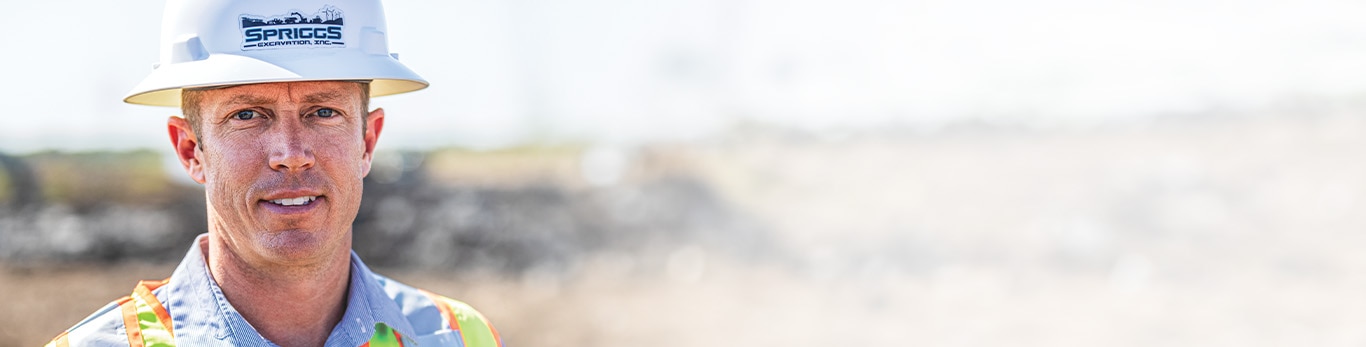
<point>249,99</point>
<point>320,97</point>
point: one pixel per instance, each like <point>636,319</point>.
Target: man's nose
<point>290,151</point>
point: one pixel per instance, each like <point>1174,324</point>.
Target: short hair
<point>191,98</point>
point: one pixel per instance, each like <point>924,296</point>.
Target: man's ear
<point>374,123</point>
<point>186,147</point>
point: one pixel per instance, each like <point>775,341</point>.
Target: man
<point>275,96</point>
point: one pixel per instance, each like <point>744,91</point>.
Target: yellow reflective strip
<point>474,328</point>
<point>384,337</point>
<point>154,332</point>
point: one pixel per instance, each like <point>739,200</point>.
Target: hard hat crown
<point>212,43</point>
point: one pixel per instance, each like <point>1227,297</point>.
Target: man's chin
<point>295,245</point>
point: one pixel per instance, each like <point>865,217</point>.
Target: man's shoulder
<point>418,308</point>
<point>102,328</point>
<point>431,313</point>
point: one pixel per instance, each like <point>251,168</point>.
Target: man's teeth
<point>303,200</point>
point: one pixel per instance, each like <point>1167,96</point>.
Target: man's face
<point>282,165</point>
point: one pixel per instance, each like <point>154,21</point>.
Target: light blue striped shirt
<point>202,316</point>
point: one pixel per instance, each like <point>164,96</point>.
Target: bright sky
<point>511,71</point>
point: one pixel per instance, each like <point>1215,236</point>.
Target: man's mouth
<point>299,201</point>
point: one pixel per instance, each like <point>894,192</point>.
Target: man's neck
<point>290,306</point>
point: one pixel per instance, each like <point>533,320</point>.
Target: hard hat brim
<point>162,87</point>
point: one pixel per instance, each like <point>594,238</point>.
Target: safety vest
<point>148,324</point>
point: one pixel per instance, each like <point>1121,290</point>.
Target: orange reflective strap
<point>59,341</point>
<point>445,309</point>
<point>480,338</point>
<point>144,292</point>
<point>144,318</point>
<point>130,321</point>
<point>474,328</point>
<point>496,337</point>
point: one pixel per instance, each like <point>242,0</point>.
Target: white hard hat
<point>210,43</point>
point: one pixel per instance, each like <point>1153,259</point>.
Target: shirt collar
<point>201,315</point>
<point>366,304</point>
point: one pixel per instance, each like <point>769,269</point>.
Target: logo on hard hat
<point>293,29</point>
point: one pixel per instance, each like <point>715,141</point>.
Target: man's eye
<point>325,112</point>
<point>246,115</point>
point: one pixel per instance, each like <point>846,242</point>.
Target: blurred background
<point>772,173</point>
